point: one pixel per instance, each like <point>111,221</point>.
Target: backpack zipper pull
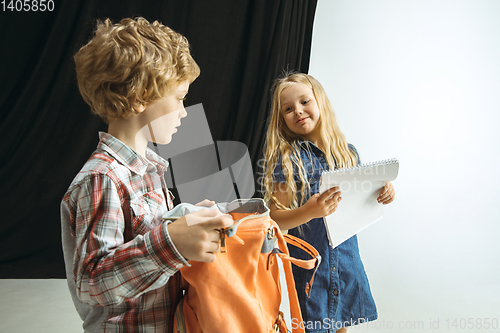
<point>222,241</point>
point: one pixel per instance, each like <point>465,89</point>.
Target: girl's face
<point>300,110</point>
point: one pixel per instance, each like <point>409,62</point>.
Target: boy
<point>121,259</point>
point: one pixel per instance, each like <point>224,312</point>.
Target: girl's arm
<point>317,206</point>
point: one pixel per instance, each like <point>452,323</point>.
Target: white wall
<point>420,81</point>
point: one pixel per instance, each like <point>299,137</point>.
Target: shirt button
<point>179,266</point>
<point>334,268</point>
<point>336,292</point>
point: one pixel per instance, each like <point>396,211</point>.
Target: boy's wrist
<point>181,260</point>
<point>163,250</point>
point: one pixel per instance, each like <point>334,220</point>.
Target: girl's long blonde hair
<point>283,143</point>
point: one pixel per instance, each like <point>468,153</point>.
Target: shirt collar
<point>308,144</point>
<point>129,157</point>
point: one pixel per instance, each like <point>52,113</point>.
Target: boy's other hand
<point>206,203</point>
<point>197,235</point>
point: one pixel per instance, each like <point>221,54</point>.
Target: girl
<point>304,139</point>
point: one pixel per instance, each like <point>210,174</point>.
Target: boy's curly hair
<point>130,63</point>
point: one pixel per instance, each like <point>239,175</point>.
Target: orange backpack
<point>240,291</point>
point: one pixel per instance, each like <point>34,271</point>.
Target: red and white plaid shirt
<point>120,261</point>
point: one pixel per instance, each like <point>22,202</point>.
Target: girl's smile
<point>300,121</point>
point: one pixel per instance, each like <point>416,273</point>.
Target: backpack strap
<point>287,261</point>
<point>306,264</point>
<point>180,322</point>
<point>179,319</point>
<point>303,245</point>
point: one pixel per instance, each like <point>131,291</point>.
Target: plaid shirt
<point>120,261</point>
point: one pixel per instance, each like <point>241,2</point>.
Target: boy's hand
<point>206,203</point>
<point>197,235</point>
<point>387,194</point>
<point>324,204</point>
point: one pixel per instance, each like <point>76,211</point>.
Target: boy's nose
<point>183,113</point>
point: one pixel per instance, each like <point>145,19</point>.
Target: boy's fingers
<point>201,216</point>
<point>208,212</point>
<point>213,237</point>
<point>206,203</point>
<point>208,257</point>
<point>214,246</point>
<point>205,213</point>
<point>222,221</point>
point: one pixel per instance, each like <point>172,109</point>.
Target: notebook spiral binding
<point>364,166</point>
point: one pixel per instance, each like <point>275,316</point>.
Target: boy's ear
<point>139,107</point>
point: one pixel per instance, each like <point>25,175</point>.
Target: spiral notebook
<point>360,187</point>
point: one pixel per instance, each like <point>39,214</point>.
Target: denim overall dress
<point>341,295</point>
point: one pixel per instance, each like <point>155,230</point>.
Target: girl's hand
<point>324,204</point>
<point>387,194</point>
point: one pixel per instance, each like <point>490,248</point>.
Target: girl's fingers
<point>383,196</point>
<point>387,188</point>
<point>385,202</point>
<point>386,196</point>
<point>389,201</point>
<point>334,207</point>
<point>385,192</point>
<point>329,194</point>
<point>334,198</point>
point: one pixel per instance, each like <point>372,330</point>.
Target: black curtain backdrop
<point>47,131</point>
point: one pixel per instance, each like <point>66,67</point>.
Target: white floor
<point>45,306</point>
<point>39,306</point>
